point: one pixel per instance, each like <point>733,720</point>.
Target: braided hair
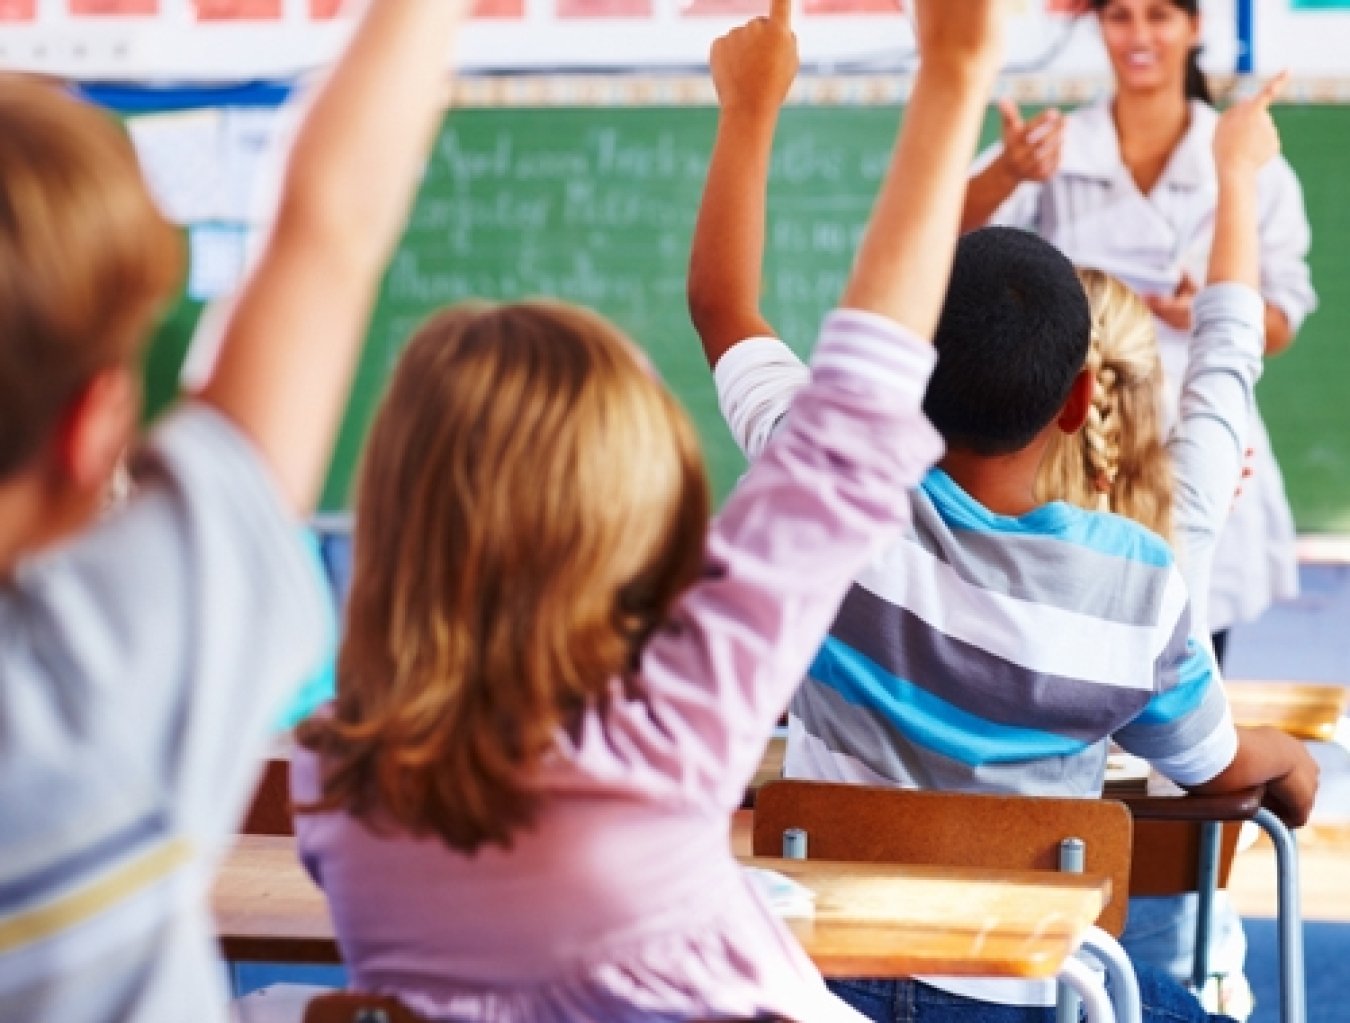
<point>1117,462</point>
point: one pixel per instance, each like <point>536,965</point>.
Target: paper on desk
<point>786,897</point>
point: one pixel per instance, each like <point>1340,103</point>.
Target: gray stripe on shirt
<point>877,744</point>
<point>1163,740</point>
<point>1044,569</point>
<point>977,681</point>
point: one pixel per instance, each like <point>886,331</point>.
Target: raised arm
<point>752,69</point>
<point>905,259</point>
<point>289,350</point>
<point>1217,398</point>
<point>1217,405</point>
<point>831,489</point>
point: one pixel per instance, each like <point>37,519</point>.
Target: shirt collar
<point>1092,147</point>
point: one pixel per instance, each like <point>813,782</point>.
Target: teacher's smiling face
<point>1149,42</point>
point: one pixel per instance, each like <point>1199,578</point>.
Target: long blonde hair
<point>1117,462</point>
<point>531,503</point>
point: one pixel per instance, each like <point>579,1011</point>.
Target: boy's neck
<point>1002,484</point>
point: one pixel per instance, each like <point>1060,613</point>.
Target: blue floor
<point>1327,949</point>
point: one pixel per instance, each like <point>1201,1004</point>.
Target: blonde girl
<point>1181,488</point>
<point>557,680</point>
<point>1118,462</point>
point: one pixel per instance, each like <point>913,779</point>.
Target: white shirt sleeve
<point>1286,281</point>
<point>756,383</point>
<point>1210,442</point>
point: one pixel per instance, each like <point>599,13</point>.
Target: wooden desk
<point>1305,710</point>
<point>871,920</point>
<point>885,920</point>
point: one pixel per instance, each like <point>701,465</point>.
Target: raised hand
<point>1246,138</point>
<point>1175,309</point>
<point>753,66</point>
<point>969,33</point>
<point>1031,149</point>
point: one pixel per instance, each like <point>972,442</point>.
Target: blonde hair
<point>86,259</point>
<point>531,503</point>
<point>1117,462</point>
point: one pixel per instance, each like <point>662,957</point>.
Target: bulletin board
<point>204,41</point>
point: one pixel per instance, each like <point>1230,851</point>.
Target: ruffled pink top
<point>625,903</point>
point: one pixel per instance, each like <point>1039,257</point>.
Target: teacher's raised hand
<point>1031,149</point>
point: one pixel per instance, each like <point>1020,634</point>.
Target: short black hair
<point>1014,334</point>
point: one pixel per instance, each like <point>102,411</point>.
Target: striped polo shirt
<point>983,653</point>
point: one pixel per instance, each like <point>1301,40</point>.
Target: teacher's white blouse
<point>1094,212</point>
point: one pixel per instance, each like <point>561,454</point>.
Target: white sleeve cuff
<point>756,383</point>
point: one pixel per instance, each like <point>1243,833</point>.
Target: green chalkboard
<point>597,206</point>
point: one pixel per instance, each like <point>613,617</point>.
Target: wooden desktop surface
<point>1305,710</point>
<point>871,920</point>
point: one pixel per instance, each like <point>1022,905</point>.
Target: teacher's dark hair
<point>1197,85</point>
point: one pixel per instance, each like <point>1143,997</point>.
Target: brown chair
<point>270,811</point>
<point>863,824</point>
<point>351,1007</point>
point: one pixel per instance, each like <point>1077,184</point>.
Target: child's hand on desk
<point>1291,797</point>
<point>753,66</point>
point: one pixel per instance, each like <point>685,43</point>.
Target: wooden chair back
<point>270,811</point>
<point>863,824</point>
<point>352,1007</point>
<point>1167,857</point>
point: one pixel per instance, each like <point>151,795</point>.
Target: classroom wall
<point>597,205</point>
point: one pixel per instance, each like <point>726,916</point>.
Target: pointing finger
<point>780,12</point>
<point>1272,90</point>
<point>1012,117</point>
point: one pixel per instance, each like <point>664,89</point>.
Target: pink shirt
<point>625,902</point>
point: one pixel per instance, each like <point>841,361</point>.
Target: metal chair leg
<point>1072,860</point>
<point>1124,992</point>
<point>1293,990</point>
<point>1084,980</point>
<point>1208,882</point>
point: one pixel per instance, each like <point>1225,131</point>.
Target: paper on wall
<point>180,157</point>
<point>215,260</point>
<point>251,165</point>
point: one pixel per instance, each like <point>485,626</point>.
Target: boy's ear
<point>1075,411</point>
<point>98,425</point>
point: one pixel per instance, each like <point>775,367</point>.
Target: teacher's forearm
<point>985,193</point>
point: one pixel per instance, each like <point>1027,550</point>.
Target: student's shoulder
<point>1116,536</point>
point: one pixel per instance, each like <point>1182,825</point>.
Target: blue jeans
<point>912,1001</point>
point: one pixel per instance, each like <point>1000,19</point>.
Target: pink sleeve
<point>828,494</point>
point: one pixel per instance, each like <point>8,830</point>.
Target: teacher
<point>1128,185</point>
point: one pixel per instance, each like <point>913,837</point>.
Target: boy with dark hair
<point>1002,641</point>
<point>1013,336</point>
